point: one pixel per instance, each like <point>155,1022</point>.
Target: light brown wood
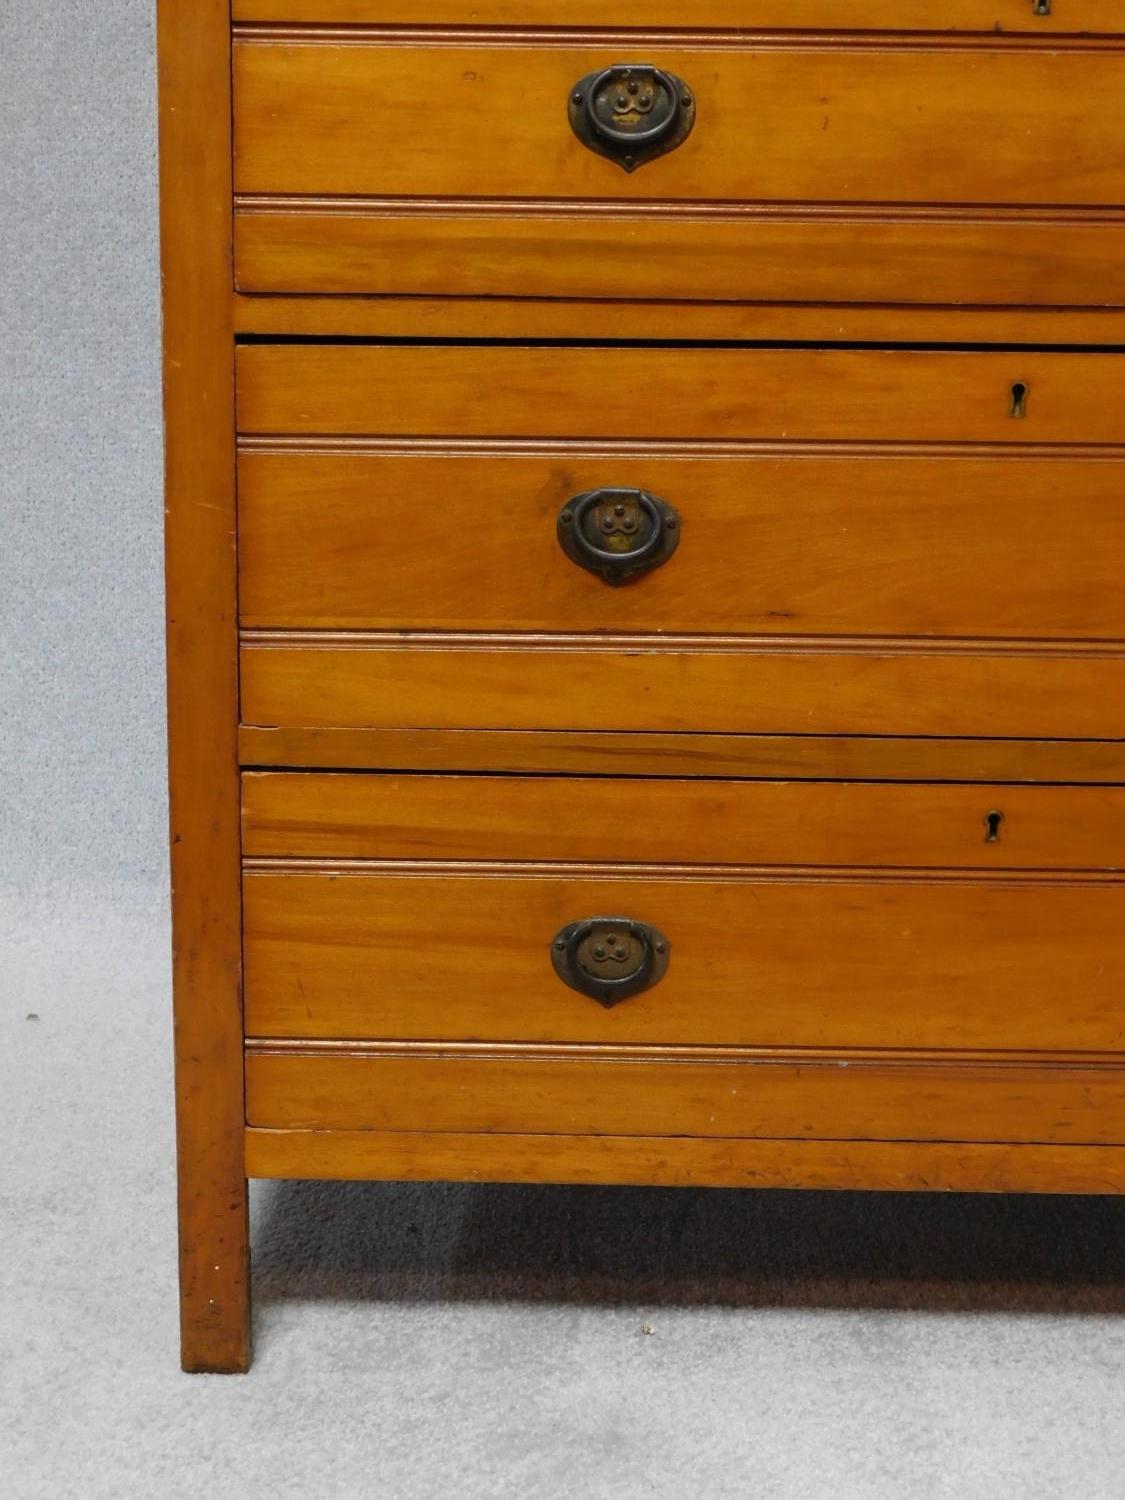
<point>643,821</point>
<point>806,1097</point>
<point>818,756</point>
<point>678,1161</point>
<point>694,393</point>
<point>990,16</point>
<point>529,319</point>
<point>758,960</point>
<point>739,687</point>
<point>886,579</point>
<point>202,694</point>
<point>835,121</point>
<point>286,246</point>
<point>793,543</point>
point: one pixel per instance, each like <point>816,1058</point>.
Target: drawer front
<point>795,544</point>
<point>796,915</point>
<point>1010,16</point>
<point>855,173</point>
<point>809,1098</point>
<point>641,821</point>
<point>680,686</point>
<point>755,960</point>
<point>681,393</point>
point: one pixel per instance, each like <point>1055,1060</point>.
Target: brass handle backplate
<point>610,958</point>
<point>618,534</point>
<point>631,113</point>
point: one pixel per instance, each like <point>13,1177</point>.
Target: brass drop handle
<point>632,113</point>
<point>610,958</point>
<point>618,534</point>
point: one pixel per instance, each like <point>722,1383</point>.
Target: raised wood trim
<point>676,1161</point>
<point>1094,762</point>
<point>195,153</point>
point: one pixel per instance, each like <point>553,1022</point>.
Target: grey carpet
<point>414,1343</point>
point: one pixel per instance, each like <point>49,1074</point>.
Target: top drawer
<point>835,168</point>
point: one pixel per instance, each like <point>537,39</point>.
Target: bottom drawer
<point>555,1092</point>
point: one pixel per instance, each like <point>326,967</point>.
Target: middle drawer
<point>795,914</point>
<point>735,540</point>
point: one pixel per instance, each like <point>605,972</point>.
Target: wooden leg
<point>214,1271</point>
<point>213,1198</point>
<point>196,213</point>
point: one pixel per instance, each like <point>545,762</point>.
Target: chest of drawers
<point>646,638</point>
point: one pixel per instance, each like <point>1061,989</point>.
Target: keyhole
<point>1041,7</point>
<point>1019,399</point>
<point>992,823</point>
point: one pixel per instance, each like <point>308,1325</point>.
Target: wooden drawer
<point>709,1097</point>
<point>821,168</point>
<point>854,664</point>
<point>794,542</point>
<point>798,915</point>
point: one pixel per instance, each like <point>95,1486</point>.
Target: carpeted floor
<point>419,1343</point>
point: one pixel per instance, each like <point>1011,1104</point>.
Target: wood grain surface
<point>988,16</point>
<point>414,537</point>
<point>652,821</point>
<point>763,960</point>
<point>529,318</point>
<point>349,246</point>
<point>789,395</point>
<point>830,122</point>
<point>679,1161</point>
<point>681,686</point>
<point>805,1097</point>
<point>883,758</point>
<point>202,680</point>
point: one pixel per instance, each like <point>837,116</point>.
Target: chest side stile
<point>195,167</point>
